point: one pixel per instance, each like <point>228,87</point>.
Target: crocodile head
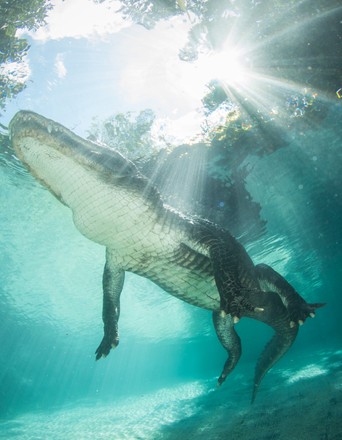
<point>95,181</point>
<point>62,161</point>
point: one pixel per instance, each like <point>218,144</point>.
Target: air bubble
<point>298,112</point>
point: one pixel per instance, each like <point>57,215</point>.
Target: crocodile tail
<point>275,315</point>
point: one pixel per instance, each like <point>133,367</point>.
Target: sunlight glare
<point>192,79</point>
<point>225,66</point>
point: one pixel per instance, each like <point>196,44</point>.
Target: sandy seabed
<point>302,401</point>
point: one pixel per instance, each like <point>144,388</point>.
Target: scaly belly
<point>191,282</point>
<point>122,221</point>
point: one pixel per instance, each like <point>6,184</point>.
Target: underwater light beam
<point>244,67</point>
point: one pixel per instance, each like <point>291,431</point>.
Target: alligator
<point>191,258</point>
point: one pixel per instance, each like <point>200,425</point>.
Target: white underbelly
<point>122,221</point>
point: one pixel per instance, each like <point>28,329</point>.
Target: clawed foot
<point>300,311</point>
<point>106,345</point>
<point>220,380</point>
<point>239,306</point>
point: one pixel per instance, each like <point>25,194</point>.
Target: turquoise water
<point>160,383</point>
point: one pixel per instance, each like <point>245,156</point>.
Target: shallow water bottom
<point>301,400</point>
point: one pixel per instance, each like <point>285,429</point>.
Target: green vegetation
<point>15,15</point>
<point>130,133</point>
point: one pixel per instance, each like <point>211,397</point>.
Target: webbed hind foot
<point>301,310</point>
<point>298,309</point>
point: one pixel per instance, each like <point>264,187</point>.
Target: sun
<point>226,66</point>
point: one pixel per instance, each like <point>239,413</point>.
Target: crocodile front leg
<point>298,308</point>
<point>231,266</point>
<point>113,280</point>
<point>230,340</point>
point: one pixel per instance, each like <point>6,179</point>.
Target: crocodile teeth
<point>300,322</point>
<point>236,319</point>
<point>312,315</point>
<point>292,324</point>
